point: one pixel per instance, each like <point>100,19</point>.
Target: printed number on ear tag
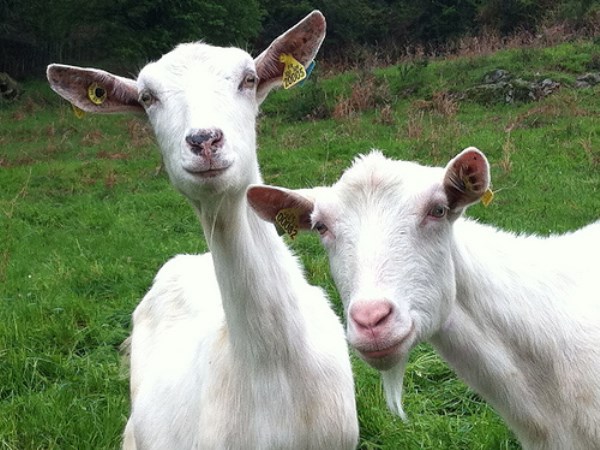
<point>487,197</point>
<point>79,113</point>
<point>96,94</point>
<point>288,219</point>
<point>293,71</point>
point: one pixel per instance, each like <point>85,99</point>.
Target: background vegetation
<point>124,34</point>
<point>87,217</point>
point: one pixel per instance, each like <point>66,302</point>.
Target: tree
<point>121,34</point>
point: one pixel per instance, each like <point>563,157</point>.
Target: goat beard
<point>393,379</point>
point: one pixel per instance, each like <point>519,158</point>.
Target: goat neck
<point>259,278</point>
<point>510,332</point>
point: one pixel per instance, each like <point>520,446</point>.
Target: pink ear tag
<point>289,220</point>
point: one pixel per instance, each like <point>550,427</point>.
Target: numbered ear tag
<point>79,113</point>
<point>289,220</point>
<point>487,197</point>
<point>96,93</point>
<point>293,71</point>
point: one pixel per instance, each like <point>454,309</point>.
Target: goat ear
<point>94,90</point>
<point>467,178</point>
<point>302,42</point>
<point>270,201</point>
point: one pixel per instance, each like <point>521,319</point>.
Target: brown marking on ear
<point>301,41</point>
<point>72,83</point>
<point>268,201</point>
<point>467,178</point>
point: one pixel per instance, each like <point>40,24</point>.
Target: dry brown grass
<point>386,116</point>
<point>488,42</point>
<point>559,105</point>
<point>367,92</point>
<point>140,133</point>
<point>110,179</point>
<point>508,148</point>
<point>441,103</point>
<point>414,123</point>
<point>103,154</point>
<point>92,138</point>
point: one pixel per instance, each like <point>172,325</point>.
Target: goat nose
<point>371,315</point>
<point>205,141</point>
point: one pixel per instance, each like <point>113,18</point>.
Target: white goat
<point>237,350</point>
<point>518,317</point>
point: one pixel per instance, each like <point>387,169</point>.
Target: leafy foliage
<point>124,34</point>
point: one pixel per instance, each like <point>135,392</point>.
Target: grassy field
<point>87,217</point>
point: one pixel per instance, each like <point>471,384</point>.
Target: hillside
<point>87,217</point>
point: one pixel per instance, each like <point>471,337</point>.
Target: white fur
<point>256,358</point>
<point>233,349</point>
<point>517,317</point>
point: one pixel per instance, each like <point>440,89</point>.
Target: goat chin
<point>516,316</point>
<point>232,349</point>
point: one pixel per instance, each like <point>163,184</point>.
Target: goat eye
<point>438,211</point>
<point>321,228</point>
<point>250,80</point>
<point>146,98</point>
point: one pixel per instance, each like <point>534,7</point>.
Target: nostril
<point>382,318</point>
<point>205,141</point>
<point>373,314</point>
<point>197,139</point>
<point>217,138</point>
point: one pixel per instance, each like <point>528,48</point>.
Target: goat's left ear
<point>467,179</point>
<point>94,90</point>
<point>301,42</point>
<point>289,209</point>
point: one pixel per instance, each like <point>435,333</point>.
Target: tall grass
<point>87,217</point>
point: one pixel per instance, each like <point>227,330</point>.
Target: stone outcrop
<point>499,86</point>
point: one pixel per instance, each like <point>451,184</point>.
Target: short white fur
<point>233,349</point>
<point>517,316</point>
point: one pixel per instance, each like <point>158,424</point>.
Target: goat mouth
<point>394,348</point>
<point>381,353</point>
<point>210,172</point>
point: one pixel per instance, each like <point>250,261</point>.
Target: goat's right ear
<point>301,42</point>
<point>467,179</point>
<point>94,90</point>
<point>289,209</point>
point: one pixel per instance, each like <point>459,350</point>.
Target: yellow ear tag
<point>96,94</point>
<point>487,197</point>
<point>79,113</point>
<point>293,71</point>
<point>288,219</point>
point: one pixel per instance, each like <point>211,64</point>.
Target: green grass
<point>87,218</point>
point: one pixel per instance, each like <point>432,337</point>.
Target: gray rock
<point>588,80</point>
<point>499,86</point>
<point>497,76</point>
<point>9,88</point>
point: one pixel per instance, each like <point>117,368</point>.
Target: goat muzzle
<point>205,142</point>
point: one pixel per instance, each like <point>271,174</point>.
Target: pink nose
<point>371,317</point>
